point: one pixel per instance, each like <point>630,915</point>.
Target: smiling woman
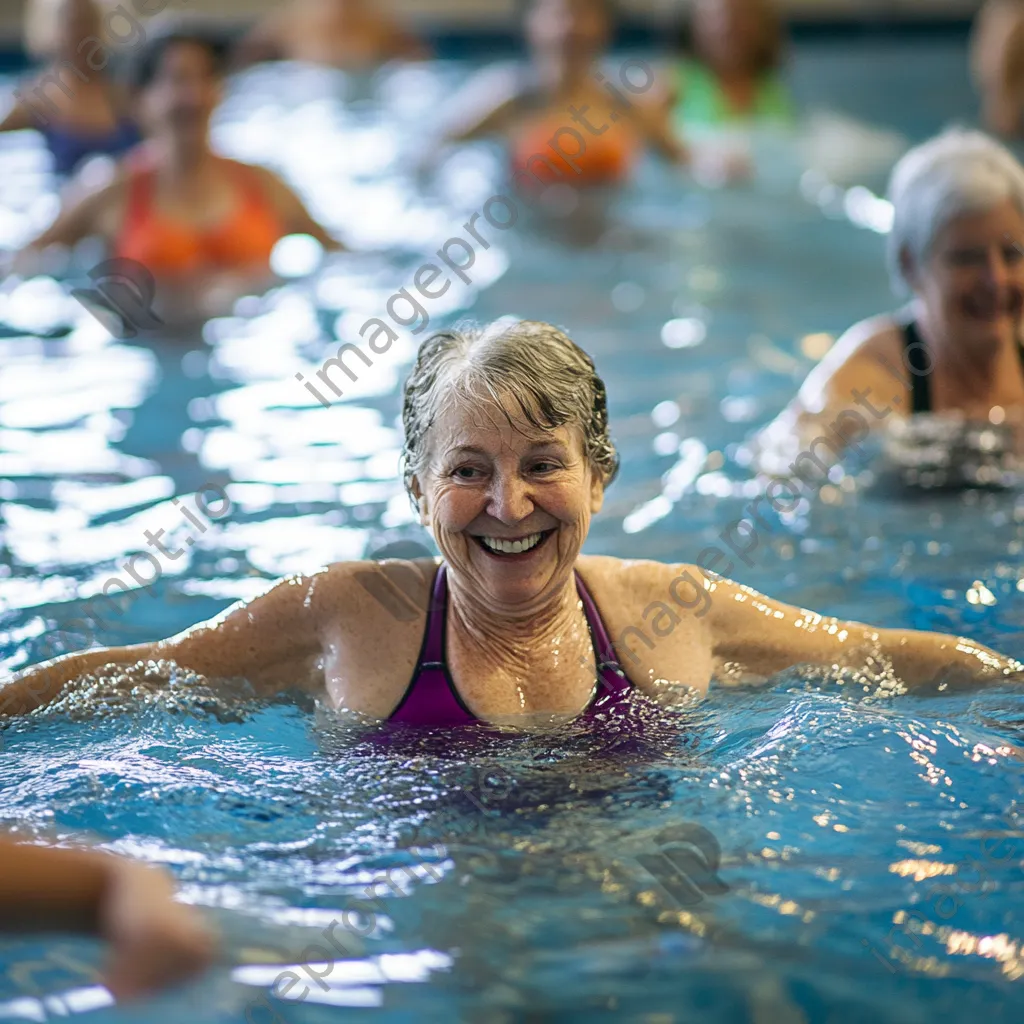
<point>507,457</point>
<point>957,247</point>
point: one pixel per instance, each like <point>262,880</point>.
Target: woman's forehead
<point>487,425</point>
<point>1002,219</point>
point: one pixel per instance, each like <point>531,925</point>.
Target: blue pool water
<point>862,853</point>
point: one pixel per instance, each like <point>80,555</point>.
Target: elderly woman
<point>507,456</point>
<point>957,247</point>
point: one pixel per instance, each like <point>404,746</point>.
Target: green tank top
<point>702,102</point>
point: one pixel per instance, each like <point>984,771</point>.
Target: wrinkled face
<point>576,29</point>
<point>509,505</point>
<point>184,92</point>
<point>727,33</point>
<point>972,284</point>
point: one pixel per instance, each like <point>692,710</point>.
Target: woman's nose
<point>510,500</point>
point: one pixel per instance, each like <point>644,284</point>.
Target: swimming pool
<point>809,852</point>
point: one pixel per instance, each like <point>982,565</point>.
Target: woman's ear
<point>596,493</point>
<point>420,501</point>
<point>908,267</point>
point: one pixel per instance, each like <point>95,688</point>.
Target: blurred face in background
<point>75,20</point>
<point>733,35</point>
<point>184,92</point>
<point>571,31</point>
<point>972,281</point>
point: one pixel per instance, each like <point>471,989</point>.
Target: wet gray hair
<point>955,173</point>
<point>550,378</point>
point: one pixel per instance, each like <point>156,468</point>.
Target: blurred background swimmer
<point>542,109</point>
<point>200,224</point>
<point>957,248</point>
<point>732,74</point>
<point>78,108</point>
<point>997,65</point>
<point>349,34</point>
<point>154,941</point>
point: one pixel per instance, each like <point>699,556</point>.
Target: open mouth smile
<point>502,548</point>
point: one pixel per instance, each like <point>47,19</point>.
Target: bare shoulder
<point>375,592</point>
<point>629,590</point>
<point>654,614</point>
<point>866,356</point>
<point>263,174</point>
<point>371,618</point>
<point>272,185</point>
<point>864,340</point>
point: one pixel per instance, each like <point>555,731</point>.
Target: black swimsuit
<point>919,362</point>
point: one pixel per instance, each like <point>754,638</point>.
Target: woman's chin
<point>516,579</point>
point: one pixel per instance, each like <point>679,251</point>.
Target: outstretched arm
<point>484,106</point>
<point>272,641</point>
<point>761,637</point>
<point>154,941</point>
<point>296,218</point>
<point>94,213</point>
<point>653,119</point>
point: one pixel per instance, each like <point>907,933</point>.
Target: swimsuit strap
<point>431,698</point>
<point>437,614</point>
<point>139,203</point>
<point>918,362</point>
<point>610,676</point>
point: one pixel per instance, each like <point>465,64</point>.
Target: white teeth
<point>512,547</point>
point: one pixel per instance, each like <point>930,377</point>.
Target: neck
<point>544,633</point>
<point>975,366</point>
<point>561,76</point>
<point>183,159</point>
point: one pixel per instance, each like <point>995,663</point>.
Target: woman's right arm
<point>95,213</point>
<point>484,106</point>
<point>271,641</point>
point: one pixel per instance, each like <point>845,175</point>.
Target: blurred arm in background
<point>155,942</point>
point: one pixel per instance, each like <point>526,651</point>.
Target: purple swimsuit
<point>432,700</point>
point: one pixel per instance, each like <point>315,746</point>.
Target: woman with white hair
<point>507,457</point>
<point>957,248</point>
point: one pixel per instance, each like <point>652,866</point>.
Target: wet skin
<point>518,645</point>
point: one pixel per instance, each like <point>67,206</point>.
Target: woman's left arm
<point>654,121</point>
<point>763,637</point>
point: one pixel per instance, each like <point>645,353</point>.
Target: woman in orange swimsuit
<point>567,119</point>
<point>186,215</point>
